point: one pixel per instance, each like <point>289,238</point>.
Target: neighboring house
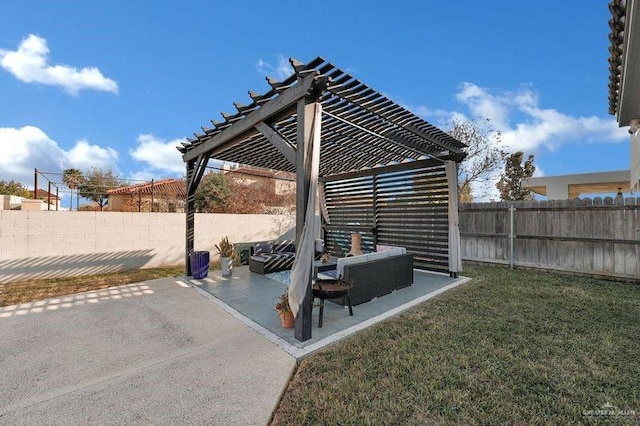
<point>10,202</point>
<point>624,103</point>
<point>50,198</point>
<point>573,186</point>
<point>13,202</point>
<point>277,189</point>
<point>167,196</point>
<point>624,75</point>
<point>277,183</point>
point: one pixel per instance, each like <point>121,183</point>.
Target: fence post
<point>512,235</point>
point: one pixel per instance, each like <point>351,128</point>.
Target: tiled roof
<point>618,10</point>
<point>165,186</point>
<point>42,194</point>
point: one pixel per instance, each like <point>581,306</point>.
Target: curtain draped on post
<point>322,205</point>
<point>305,251</point>
<point>455,260</point>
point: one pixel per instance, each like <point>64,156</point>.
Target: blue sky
<point>119,84</point>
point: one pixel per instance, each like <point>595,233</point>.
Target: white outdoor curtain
<point>322,205</point>
<point>455,261</point>
<point>305,251</point>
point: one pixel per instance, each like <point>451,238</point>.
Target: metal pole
<point>35,184</point>
<point>512,235</point>
<point>57,197</point>
<point>152,196</point>
<point>49,197</point>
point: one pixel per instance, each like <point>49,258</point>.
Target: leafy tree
<point>213,194</point>
<point>12,187</point>
<point>510,183</point>
<point>96,183</point>
<point>73,178</point>
<point>484,157</point>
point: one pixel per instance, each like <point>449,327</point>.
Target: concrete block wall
<point>40,244</point>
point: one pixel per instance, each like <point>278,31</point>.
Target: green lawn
<point>508,347</point>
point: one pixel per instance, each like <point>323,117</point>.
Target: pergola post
<point>195,171</point>
<point>455,260</point>
<point>306,115</point>
<point>190,210</point>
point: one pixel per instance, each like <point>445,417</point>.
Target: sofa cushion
<point>284,247</point>
<point>261,248</point>
<point>376,255</point>
<point>271,262</point>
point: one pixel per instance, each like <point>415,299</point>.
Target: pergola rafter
<point>360,128</point>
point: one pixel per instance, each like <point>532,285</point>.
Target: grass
<point>32,290</point>
<point>508,347</point>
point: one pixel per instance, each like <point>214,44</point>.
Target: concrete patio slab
<point>147,353</point>
<point>250,297</point>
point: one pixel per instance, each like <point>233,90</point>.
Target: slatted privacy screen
<point>405,205</point>
<point>351,209</point>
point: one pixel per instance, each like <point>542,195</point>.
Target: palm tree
<point>72,178</point>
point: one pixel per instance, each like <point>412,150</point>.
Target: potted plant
<point>225,250</point>
<point>283,309</point>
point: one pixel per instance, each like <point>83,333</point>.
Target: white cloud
<point>280,71</point>
<point>159,154</point>
<point>84,156</point>
<point>28,147</point>
<point>523,123</point>
<point>526,126</point>
<point>30,64</point>
<point>483,104</point>
<point>137,177</point>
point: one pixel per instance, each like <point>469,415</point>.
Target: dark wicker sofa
<point>376,277</point>
<point>272,257</point>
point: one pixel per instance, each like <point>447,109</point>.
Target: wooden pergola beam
<point>283,145</point>
<point>287,98</point>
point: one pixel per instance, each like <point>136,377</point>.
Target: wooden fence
<point>595,237</point>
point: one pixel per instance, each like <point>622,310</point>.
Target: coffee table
<point>320,266</point>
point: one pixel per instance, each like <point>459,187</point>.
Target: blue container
<point>199,261</point>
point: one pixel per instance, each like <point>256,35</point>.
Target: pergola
<point>379,165</point>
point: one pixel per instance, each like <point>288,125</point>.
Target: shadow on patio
<point>250,297</point>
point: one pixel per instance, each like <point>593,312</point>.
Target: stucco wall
<point>635,162</point>
<point>50,244</point>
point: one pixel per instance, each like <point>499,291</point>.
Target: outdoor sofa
<point>375,274</point>
<point>272,256</point>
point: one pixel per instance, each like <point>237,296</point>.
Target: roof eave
<point>628,99</point>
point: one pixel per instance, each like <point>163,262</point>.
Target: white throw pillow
<point>377,255</point>
<point>396,251</point>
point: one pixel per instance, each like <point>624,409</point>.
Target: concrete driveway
<point>154,352</point>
